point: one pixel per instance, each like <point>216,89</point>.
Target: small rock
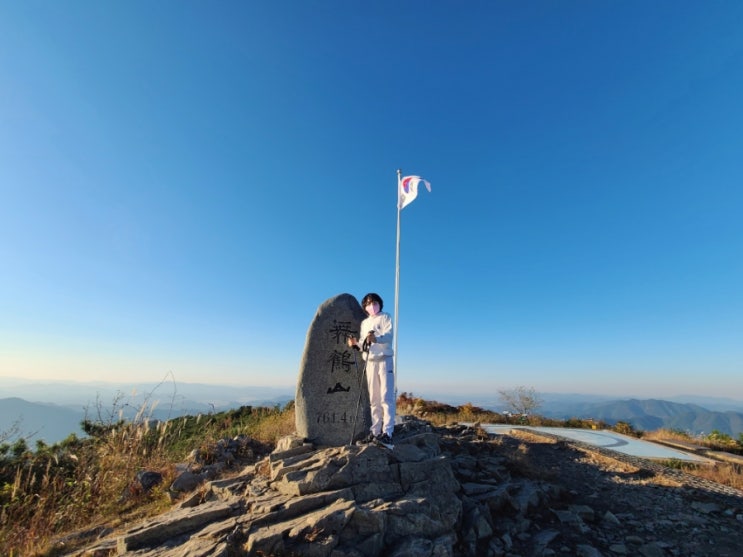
<point>188,481</point>
<point>610,519</point>
<point>651,550</point>
<point>584,550</point>
<point>706,508</point>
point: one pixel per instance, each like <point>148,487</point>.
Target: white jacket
<point>381,324</point>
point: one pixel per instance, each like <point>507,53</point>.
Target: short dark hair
<point>372,297</point>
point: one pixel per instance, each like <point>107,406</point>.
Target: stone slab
<point>332,402</point>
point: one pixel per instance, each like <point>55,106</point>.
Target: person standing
<point>376,332</point>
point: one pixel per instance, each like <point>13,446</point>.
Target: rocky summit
<point>449,491</point>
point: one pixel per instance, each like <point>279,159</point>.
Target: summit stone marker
<point>330,386</point>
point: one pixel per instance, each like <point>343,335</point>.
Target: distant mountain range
<point>29,410</point>
<point>649,415</point>
<point>178,397</point>
<point>36,420</point>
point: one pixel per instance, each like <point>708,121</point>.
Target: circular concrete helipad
<point>607,439</point>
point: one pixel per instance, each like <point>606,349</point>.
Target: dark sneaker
<point>385,440</point>
<point>366,440</point>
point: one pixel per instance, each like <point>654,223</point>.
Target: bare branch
<point>521,400</point>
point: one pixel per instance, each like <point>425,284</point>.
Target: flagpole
<point>396,331</point>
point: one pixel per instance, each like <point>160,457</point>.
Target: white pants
<point>380,379</point>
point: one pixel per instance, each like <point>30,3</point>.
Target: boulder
<point>332,403</point>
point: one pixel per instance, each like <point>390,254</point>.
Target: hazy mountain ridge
<point>52,423</point>
<point>652,414</point>
<point>172,393</point>
<point>36,420</point>
<point>53,410</point>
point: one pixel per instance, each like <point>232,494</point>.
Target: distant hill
<point>69,401</point>
<point>55,421</point>
<point>693,414</point>
<point>180,397</point>
<point>652,414</point>
<point>36,420</point>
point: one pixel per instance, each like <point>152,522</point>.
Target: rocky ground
<point>450,491</point>
<point>606,503</point>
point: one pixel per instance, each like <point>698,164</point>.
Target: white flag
<point>408,189</point>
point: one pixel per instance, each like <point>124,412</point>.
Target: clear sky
<point>182,184</point>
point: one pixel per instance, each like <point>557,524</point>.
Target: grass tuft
<point>66,487</point>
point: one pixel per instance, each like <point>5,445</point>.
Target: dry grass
<point>521,461</point>
<point>83,482</point>
<point>79,483</point>
<point>667,434</point>
<point>273,426</point>
<point>714,441</point>
<point>440,414</point>
<point>722,473</point>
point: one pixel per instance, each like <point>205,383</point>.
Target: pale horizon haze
<point>183,184</point>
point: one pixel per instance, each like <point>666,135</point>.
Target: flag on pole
<point>408,189</point>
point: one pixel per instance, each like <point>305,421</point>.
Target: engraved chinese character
<point>341,331</point>
<point>340,360</point>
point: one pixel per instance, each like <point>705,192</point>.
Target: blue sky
<point>182,185</point>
